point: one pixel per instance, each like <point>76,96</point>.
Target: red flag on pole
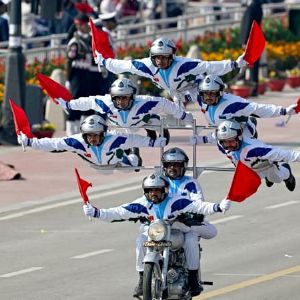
<point>255,44</point>
<point>83,186</point>
<point>297,109</point>
<point>53,88</point>
<point>20,119</point>
<point>100,42</point>
<point>245,183</point>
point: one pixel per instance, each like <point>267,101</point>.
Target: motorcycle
<point>165,272</point>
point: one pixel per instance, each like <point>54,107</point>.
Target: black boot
<point>138,290</point>
<point>290,183</point>
<point>268,182</point>
<point>194,285</point>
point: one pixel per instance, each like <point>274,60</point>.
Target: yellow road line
<point>247,283</point>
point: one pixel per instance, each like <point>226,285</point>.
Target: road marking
<point>93,253</point>
<point>66,203</point>
<point>223,220</point>
<point>282,204</point>
<point>247,283</point>
<point>12,274</point>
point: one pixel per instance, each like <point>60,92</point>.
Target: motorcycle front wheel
<point>152,282</point>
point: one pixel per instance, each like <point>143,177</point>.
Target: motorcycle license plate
<point>158,244</point>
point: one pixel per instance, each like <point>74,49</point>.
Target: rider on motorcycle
<point>157,203</point>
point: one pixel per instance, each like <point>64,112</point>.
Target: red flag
<point>53,88</point>
<point>83,186</point>
<point>84,8</point>
<point>100,42</point>
<point>245,182</point>
<point>255,44</point>
<point>297,109</point>
<point>20,119</point>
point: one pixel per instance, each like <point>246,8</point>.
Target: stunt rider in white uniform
<point>124,108</point>
<point>179,76</point>
<point>174,162</point>
<point>267,161</point>
<point>94,144</point>
<point>218,106</point>
<point>157,203</point>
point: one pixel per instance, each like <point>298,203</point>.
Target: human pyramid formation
<point>184,79</point>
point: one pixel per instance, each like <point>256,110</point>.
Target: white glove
<point>225,205</point>
<point>159,142</point>
<point>188,118</point>
<point>62,103</point>
<point>24,140</point>
<point>99,58</point>
<point>240,61</point>
<point>91,211</point>
<point>290,110</point>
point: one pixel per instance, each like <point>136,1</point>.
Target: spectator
<point>79,63</point>
<point>3,23</point>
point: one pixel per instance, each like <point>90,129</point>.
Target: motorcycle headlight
<point>157,231</point>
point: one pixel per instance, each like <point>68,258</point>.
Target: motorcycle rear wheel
<point>151,282</point>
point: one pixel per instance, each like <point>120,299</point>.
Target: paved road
<point>49,250</point>
<point>56,253</point>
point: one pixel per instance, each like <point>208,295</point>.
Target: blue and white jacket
<point>168,209</point>
<point>180,80</point>
<point>145,110</point>
<point>234,107</point>
<point>259,156</point>
<point>109,152</point>
<point>186,185</point>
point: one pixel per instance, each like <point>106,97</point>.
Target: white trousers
<point>275,173</point>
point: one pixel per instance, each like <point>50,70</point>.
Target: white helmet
<point>155,181</point>
<point>93,124</point>
<point>123,87</point>
<point>162,46</point>
<point>229,129</point>
<point>212,83</point>
<point>175,155</point>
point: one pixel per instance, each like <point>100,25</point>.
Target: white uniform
<point>169,208</point>
<point>144,110</point>
<point>186,186</point>
<point>265,160</point>
<point>180,80</point>
<point>108,153</point>
<point>235,107</point>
